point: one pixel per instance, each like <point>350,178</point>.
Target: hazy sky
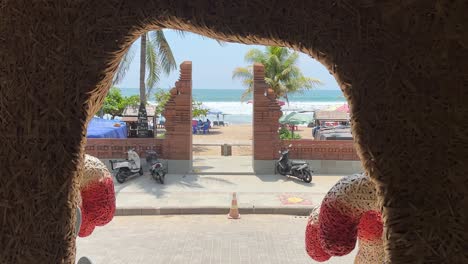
<point>213,64</point>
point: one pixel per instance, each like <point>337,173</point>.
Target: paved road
<point>205,191</point>
<point>254,239</point>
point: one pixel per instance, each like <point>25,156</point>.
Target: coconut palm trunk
<point>143,69</point>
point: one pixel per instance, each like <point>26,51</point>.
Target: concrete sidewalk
<point>211,194</point>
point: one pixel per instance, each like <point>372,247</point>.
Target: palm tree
<point>155,57</point>
<point>281,72</point>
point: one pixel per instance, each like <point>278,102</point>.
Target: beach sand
<point>210,144</point>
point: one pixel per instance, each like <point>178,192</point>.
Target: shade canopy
<point>339,108</point>
<point>214,111</point>
<point>344,108</point>
<point>295,118</point>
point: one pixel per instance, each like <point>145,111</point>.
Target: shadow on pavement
<point>281,178</point>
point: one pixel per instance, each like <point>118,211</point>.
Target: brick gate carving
<point>178,114</point>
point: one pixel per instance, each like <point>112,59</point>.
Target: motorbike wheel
<point>279,169</point>
<point>121,176</point>
<point>307,176</point>
<point>141,171</point>
<point>161,178</point>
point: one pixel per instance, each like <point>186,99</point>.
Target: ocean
<point>237,112</point>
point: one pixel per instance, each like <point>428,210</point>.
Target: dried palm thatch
<point>401,65</point>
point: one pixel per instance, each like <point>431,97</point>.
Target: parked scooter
<point>127,168</point>
<point>297,168</point>
<point>157,169</point>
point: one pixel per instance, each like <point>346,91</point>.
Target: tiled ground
<point>254,239</point>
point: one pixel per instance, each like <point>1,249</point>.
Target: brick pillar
<point>266,114</point>
<point>178,114</point>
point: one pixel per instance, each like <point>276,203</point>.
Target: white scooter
<point>127,168</point>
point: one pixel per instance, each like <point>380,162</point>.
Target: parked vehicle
<point>297,168</point>
<point>127,168</point>
<point>157,168</point>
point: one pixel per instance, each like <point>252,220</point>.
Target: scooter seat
<point>298,162</point>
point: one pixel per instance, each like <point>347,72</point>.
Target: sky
<point>212,63</point>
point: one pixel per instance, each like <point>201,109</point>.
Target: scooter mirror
<point>290,145</point>
<point>279,151</point>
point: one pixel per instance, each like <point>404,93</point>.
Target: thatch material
<point>401,64</point>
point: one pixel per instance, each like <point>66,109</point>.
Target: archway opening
<point>292,193</point>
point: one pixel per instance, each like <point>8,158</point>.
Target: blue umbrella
<point>215,112</point>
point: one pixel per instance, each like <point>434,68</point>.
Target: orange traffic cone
<point>234,211</point>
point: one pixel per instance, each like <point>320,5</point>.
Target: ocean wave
<point>242,108</point>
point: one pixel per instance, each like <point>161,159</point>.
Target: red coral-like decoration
<point>370,226</point>
<point>338,232</point>
<point>312,241</point>
<point>98,205</point>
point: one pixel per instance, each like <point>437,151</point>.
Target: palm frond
<point>291,59</point>
<point>281,71</point>
<point>246,93</point>
<point>166,58</point>
<point>152,67</point>
<point>255,55</point>
<point>124,66</point>
<point>242,73</point>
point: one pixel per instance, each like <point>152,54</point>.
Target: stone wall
<point>321,150</point>
<point>107,148</point>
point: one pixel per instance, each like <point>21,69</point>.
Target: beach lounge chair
<point>215,123</point>
<point>221,123</point>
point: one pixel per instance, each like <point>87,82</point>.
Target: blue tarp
<point>103,128</point>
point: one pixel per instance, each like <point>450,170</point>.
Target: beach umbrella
<point>295,118</point>
<point>343,108</point>
<point>340,108</point>
<point>214,111</point>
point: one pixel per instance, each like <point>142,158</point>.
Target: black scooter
<point>157,169</point>
<point>297,168</point>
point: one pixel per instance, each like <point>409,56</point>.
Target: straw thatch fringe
<point>401,64</point>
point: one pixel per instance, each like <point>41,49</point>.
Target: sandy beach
<point>209,144</point>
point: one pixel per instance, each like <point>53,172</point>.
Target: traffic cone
<point>234,211</point>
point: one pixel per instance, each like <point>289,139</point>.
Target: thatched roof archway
<point>402,66</point>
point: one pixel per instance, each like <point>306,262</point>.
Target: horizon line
<point>332,89</point>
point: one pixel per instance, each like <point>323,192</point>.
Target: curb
<point>302,211</point>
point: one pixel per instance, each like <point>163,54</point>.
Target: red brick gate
<point>178,114</point>
<point>266,114</point>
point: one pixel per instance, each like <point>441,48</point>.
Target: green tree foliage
<point>155,58</point>
<point>198,110</point>
<point>162,96</point>
<point>115,103</point>
<point>281,72</point>
<point>284,133</point>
